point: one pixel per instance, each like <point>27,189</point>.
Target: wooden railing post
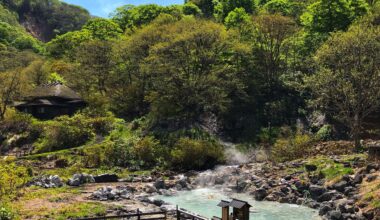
<point>138,214</point>
<point>178,213</point>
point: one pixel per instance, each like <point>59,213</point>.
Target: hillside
<point>45,19</point>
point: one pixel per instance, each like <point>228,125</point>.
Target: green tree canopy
<point>348,81</point>
<point>325,16</point>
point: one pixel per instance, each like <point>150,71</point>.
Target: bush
<point>291,148</point>
<point>5,214</point>
<point>196,154</point>
<point>324,133</point>
<point>64,132</point>
<point>12,178</point>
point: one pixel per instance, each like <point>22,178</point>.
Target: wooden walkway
<point>179,214</point>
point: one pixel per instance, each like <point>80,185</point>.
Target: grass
<point>371,193</point>
<point>326,166</point>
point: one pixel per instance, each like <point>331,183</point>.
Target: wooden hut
<point>51,100</point>
<point>374,153</point>
<point>240,209</point>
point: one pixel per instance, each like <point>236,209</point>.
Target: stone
<point>160,184</point>
<point>358,178</point>
<point>334,215</point>
<point>61,163</point>
<point>371,177</point>
<point>150,188</point>
<point>339,186</point>
<point>260,194</point>
<point>310,167</point>
<point>371,167</point>
<point>79,179</point>
<point>106,178</point>
<point>324,209</point>
<point>46,182</point>
<point>316,191</point>
<point>327,196</point>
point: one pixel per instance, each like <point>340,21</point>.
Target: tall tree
<point>348,83</point>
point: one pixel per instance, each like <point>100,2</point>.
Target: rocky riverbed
<point>297,182</point>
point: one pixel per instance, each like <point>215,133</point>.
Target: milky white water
<point>204,202</point>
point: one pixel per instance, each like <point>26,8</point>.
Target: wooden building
<point>51,100</point>
<point>374,153</point>
<point>240,209</point>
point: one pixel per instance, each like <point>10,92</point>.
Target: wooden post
<point>178,213</point>
<point>138,214</point>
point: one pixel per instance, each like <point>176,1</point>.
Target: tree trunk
<point>356,133</point>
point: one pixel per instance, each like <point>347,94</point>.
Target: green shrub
<point>12,178</point>
<point>64,132</point>
<point>294,147</point>
<point>268,135</point>
<point>5,214</point>
<point>196,154</point>
<point>324,133</point>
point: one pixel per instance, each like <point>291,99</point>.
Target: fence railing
<point>139,215</point>
<point>180,214</point>
<point>183,214</point>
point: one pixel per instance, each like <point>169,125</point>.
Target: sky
<point>103,8</point>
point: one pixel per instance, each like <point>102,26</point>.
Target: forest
<point>167,86</point>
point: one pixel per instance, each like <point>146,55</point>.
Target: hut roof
<point>224,203</point>
<point>238,203</point>
<point>54,90</point>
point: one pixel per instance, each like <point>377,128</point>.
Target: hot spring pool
<point>204,202</point>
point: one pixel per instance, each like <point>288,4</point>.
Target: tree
<point>224,7</point>
<point>206,6</point>
<point>191,9</point>
<point>236,18</point>
<point>103,29</point>
<point>190,71</point>
<point>325,16</point>
<point>347,86</point>
<point>131,17</point>
<point>95,63</point>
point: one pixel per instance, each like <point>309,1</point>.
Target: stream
<point>203,201</point>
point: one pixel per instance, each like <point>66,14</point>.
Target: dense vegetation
<point>165,83</point>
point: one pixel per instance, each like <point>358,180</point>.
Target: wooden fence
<point>180,214</point>
<point>138,215</point>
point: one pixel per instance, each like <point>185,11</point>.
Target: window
<point>41,110</point>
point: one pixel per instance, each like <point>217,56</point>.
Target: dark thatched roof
<point>57,90</point>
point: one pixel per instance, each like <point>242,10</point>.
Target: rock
<point>334,215</point>
<point>349,190</point>
<point>316,191</point>
<point>160,184</point>
<point>327,196</point>
<point>150,189</point>
<point>106,178</point>
<point>324,209</point>
<point>285,189</point>
<point>310,167</point>
<point>109,193</point>
<point>61,163</point>
<point>79,179</point>
<point>339,186</point>
<point>46,182</point>
<point>301,186</point>
<point>260,194</point>
<point>358,179</point>
<point>371,177</point>
<point>371,167</point>
<point>158,202</point>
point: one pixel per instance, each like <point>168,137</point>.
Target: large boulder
<point>339,186</point>
<point>316,191</point>
<point>80,179</point>
<point>260,194</point>
<point>160,184</point>
<point>106,178</point>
